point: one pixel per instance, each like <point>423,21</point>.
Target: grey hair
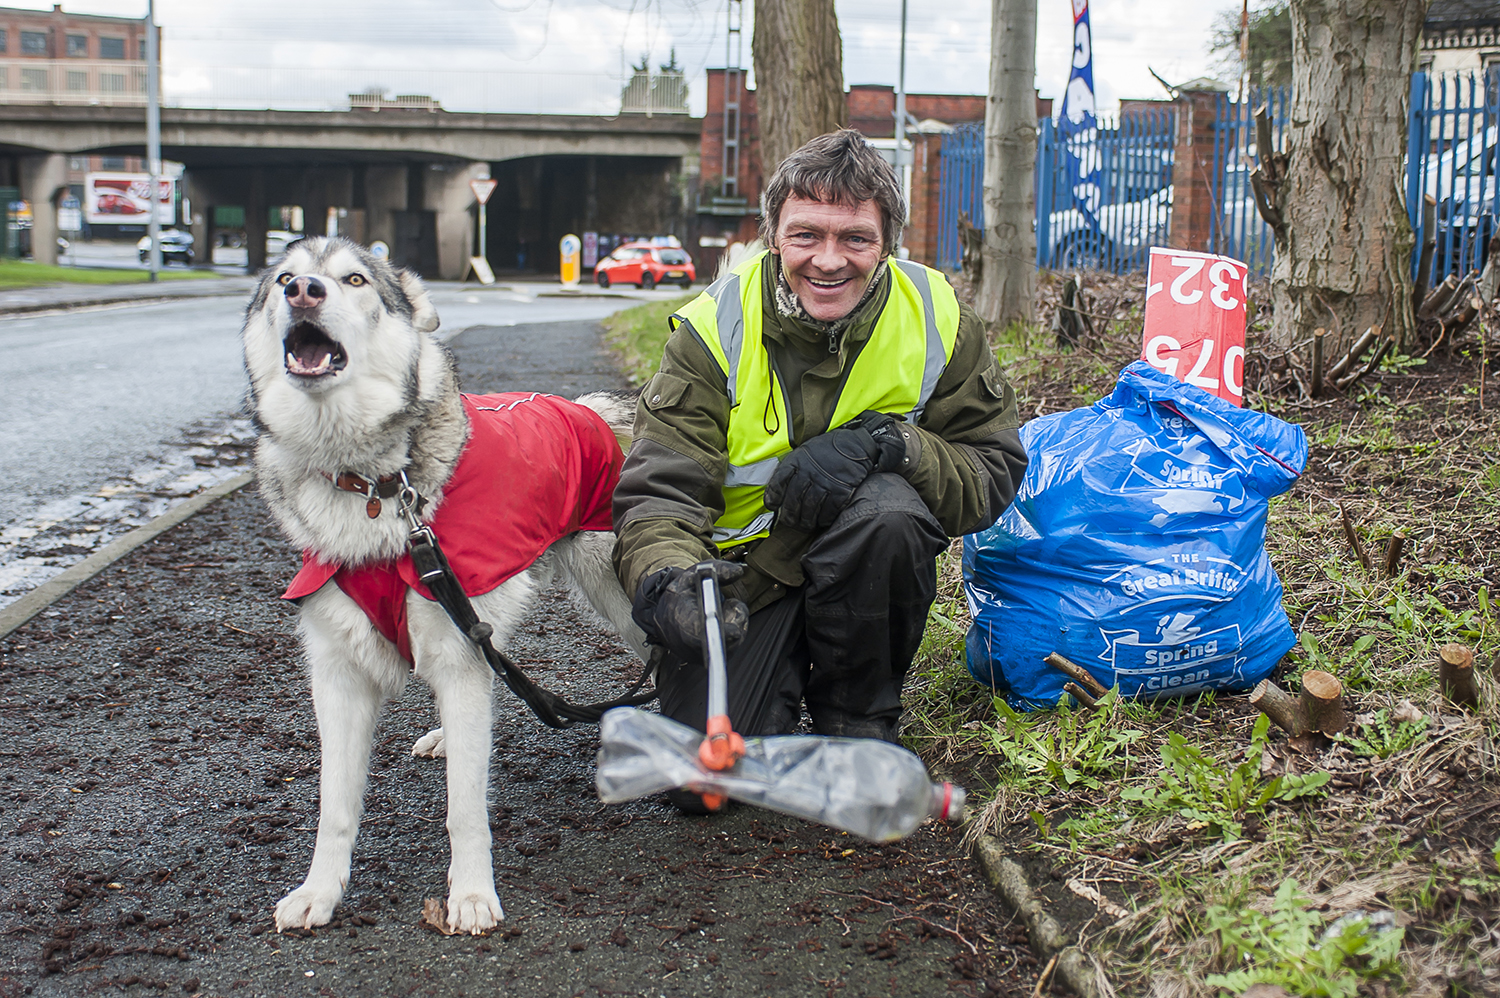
<point>840,167</point>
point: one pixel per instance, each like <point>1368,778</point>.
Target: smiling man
<point>826,417</point>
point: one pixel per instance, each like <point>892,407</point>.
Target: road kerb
<point>1074,968</point>
<point>34,602</point>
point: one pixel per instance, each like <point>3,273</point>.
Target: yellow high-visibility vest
<point>896,372</point>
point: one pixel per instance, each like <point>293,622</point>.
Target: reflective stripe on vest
<point>727,319</point>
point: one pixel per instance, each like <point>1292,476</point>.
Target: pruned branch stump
<point>1456,676</point>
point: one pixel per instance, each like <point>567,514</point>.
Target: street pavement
<point>112,414</point>
<point>161,793</point>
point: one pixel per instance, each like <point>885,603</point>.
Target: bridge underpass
<point>401,176</point>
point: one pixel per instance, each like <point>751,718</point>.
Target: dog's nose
<point>305,292</point>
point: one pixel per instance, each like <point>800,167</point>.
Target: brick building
<point>732,215</point>
<point>57,57</point>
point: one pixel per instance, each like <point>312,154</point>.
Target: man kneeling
<point>825,418</point>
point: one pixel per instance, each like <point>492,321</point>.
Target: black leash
<point>438,576</point>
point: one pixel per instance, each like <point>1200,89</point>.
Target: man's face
<point>828,253</point>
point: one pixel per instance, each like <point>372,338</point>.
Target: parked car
<point>277,240</point>
<point>175,245</point>
<point>1461,179</point>
<point>646,265</point>
<point>1128,230</point>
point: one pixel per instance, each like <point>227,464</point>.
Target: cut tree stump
<point>1393,549</point>
<point>1353,537</point>
<point>1323,702</point>
<point>1274,702</point>
<point>1456,676</point>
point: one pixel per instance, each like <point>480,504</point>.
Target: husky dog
<point>347,385</point>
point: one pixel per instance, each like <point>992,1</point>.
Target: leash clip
<point>409,502</point>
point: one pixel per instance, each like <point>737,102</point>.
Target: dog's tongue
<point>309,358</point>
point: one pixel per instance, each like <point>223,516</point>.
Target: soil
<point>160,790</point>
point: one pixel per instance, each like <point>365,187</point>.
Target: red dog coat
<point>535,469</point>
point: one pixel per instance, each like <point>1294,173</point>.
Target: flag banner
<point>1078,124</point>
<point>1195,320</point>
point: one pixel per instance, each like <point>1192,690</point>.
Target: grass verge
<point>637,336</point>
<point>1194,849</point>
<point>25,274</point>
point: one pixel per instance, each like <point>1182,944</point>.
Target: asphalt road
<point>109,415</point>
<point>160,794</point>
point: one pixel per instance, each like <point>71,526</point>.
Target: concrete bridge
<point>396,174</point>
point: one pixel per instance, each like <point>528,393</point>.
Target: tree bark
<point>1343,259</point>
<point>1007,284</point>
<point>1274,702</point>
<point>799,75</point>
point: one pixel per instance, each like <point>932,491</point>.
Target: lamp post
<point>153,142</point>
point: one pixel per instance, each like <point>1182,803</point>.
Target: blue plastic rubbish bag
<point>1136,548</point>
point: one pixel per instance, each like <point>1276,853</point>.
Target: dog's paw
<point>306,907</point>
<point>430,745</point>
<point>474,912</point>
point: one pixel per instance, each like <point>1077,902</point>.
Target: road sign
<point>569,246</point>
<point>483,188</point>
<point>1195,320</point>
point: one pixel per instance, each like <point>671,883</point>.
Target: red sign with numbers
<point>1195,320</point>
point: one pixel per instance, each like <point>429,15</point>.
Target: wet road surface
<point>160,795</point>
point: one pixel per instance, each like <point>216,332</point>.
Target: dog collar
<point>384,487</point>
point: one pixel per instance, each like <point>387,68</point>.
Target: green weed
<point>1064,750</point>
<point>1382,739</point>
<point>1285,948</point>
<point>1201,789</point>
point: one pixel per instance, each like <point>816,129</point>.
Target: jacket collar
<point>785,320</point>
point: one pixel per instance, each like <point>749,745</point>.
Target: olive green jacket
<point>964,457</point>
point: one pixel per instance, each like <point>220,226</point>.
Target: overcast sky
<point>559,55</point>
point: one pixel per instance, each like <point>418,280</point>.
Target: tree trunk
<point>799,75</point>
<point>1007,282</point>
<point>1343,259</point>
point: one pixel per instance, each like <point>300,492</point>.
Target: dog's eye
<point>355,280</point>
<point>284,279</point>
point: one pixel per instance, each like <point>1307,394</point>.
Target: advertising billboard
<point>121,199</point>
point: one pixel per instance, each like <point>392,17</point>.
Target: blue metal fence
<point>960,189</point>
<point>1451,159</point>
<point>1236,228</point>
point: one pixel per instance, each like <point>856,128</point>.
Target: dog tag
<point>372,507</point>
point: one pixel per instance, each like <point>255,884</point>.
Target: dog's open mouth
<point>310,353</point>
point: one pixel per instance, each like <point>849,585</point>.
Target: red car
<point>646,265</point>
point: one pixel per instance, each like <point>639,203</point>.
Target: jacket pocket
<point>664,391</point>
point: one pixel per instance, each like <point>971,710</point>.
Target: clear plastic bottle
<point>864,786</point>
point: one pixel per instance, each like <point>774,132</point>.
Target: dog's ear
<point>423,315</point>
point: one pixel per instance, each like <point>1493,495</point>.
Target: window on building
<point>1491,77</point>
<point>4,78</point>
<point>3,40</point>
<point>78,46</point>
<point>33,43</point>
<point>34,79</point>
<point>112,83</point>
<point>111,48</point>
<point>77,82</point>
<point>78,164</point>
<point>116,163</point>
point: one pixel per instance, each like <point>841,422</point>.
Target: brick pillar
<point>1192,196</point>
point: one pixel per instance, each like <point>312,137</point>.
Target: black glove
<point>815,482</point>
<point>669,608</point>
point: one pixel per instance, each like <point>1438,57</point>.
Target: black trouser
<point>844,639</point>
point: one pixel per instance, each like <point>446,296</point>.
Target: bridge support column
<point>200,195</point>
<point>255,221</point>
<point>447,193</point>
<point>385,194</point>
<point>42,179</point>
